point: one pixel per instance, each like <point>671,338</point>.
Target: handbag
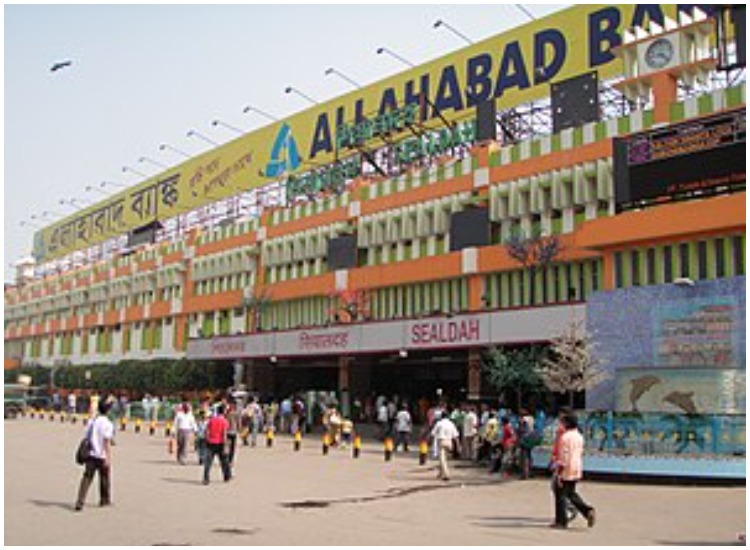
<point>84,448</point>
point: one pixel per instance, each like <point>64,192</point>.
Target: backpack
<point>83,453</point>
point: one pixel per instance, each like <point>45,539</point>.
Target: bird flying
<point>60,65</point>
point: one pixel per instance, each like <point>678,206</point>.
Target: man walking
<point>100,434</point>
<point>216,437</point>
<point>403,427</point>
<point>184,426</point>
<point>445,433</point>
<point>569,472</point>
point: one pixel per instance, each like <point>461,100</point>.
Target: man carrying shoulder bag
<point>100,436</point>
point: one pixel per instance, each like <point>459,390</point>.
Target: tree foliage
<point>572,365</point>
<point>155,376</point>
<point>514,370</point>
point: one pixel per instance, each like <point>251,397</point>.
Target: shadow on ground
<point>52,504</point>
<point>511,522</point>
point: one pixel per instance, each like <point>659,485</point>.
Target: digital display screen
<point>680,160</point>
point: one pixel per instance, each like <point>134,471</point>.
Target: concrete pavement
<point>280,497</point>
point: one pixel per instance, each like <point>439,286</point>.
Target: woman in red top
<point>216,436</point>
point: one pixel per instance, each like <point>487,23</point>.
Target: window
<point>635,268</point>
<point>721,269</point>
<point>651,266</point>
<point>684,260</point>
<point>702,260</point>
<point>618,269</point>
<point>668,270</point>
<point>738,258</point>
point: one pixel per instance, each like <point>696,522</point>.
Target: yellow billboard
<point>511,68</point>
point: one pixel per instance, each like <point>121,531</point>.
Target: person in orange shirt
<point>569,472</point>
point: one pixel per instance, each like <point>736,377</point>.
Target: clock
<point>659,53</point>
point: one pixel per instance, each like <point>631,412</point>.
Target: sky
<point>142,75</point>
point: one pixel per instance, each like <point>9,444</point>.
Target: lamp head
<point>329,70</point>
<point>437,23</point>
<point>380,50</point>
<point>288,90</point>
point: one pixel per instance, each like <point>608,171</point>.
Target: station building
<point>358,246</point>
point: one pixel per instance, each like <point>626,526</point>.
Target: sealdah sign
<point>445,332</point>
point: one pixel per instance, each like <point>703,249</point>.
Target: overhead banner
<point>511,68</point>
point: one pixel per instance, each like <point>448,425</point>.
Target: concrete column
<point>474,374</point>
<point>344,363</point>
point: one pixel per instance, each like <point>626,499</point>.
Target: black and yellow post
<point>422,452</point>
<point>73,418</point>
<point>62,417</point>
<point>41,414</point>
<point>123,424</point>
<point>138,423</point>
<point>357,446</point>
<point>52,416</point>
<point>326,443</point>
<point>388,448</point>
<point>32,413</point>
<point>269,437</point>
<point>297,440</point>
<point>152,427</point>
<point>168,429</point>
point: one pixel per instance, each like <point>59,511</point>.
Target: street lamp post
<point>290,89</point>
<point>228,126</point>
<point>440,23</point>
<point>249,108</point>
<point>383,49</point>
<point>154,162</point>
<point>165,146</point>
<point>351,81</point>
<point>195,133</point>
<point>134,171</point>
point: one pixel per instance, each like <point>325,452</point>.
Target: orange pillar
<point>665,93</point>
<point>608,271</point>
<point>476,290</point>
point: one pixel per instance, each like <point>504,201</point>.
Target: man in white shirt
<point>445,433</point>
<point>100,433</point>
<point>184,426</point>
<point>470,432</point>
<point>403,428</point>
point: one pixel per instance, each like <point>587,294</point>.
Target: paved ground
<point>280,497</point>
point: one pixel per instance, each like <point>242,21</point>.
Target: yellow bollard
<point>388,448</point>
<point>326,443</point>
<point>297,440</point>
<point>356,446</point>
<point>123,424</point>
<point>138,423</point>
<point>168,429</point>
<point>152,428</point>
<point>423,452</point>
<point>269,437</point>
<point>73,418</point>
<point>52,416</point>
<point>32,413</point>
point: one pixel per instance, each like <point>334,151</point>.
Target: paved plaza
<point>304,498</point>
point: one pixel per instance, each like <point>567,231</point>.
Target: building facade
<point>360,289</point>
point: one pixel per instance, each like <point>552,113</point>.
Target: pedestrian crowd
<point>495,437</point>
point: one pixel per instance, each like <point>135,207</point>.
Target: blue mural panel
<point>689,330</point>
